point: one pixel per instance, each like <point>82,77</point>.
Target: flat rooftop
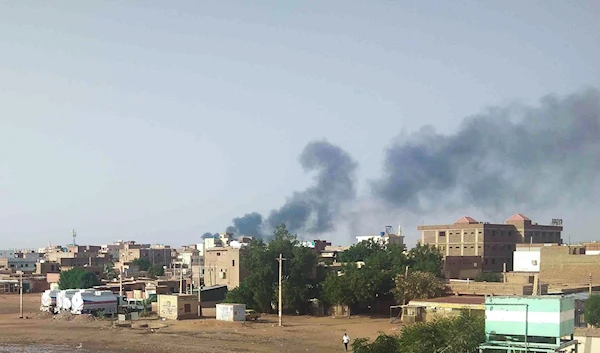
<point>454,299</point>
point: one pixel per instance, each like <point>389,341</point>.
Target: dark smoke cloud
<point>505,157</point>
<point>207,235</point>
<point>314,209</point>
<point>249,225</point>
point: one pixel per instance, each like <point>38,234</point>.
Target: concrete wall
<point>526,260</point>
<point>588,344</point>
<point>558,264</point>
<point>521,278</point>
<point>462,267</point>
<point>489,288</point>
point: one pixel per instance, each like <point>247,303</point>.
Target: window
<point>232,263</point>
<point>493,233</point>
<point>218,254</point>
<point>442,233</point>
<point>486,261</point>
<point>187,308</point>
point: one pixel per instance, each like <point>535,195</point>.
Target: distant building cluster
<point>529,256</point>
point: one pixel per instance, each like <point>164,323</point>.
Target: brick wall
<point>558,264</point>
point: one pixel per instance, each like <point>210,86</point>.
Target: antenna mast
<point>74,236</point>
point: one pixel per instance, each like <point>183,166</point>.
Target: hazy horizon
<point>159,122</point>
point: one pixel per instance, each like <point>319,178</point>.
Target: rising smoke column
<point>516,155</point>
<point>314,209</point>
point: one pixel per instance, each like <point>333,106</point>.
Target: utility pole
<point>280,259</point>
<point>405,279</point>
<point>180,280</point>
<point>121,283</point>
<point>590,284</point>
<point>21,294</point>
<point>199,288</point>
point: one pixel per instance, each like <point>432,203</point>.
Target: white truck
<point>49,300</point>
<point>86,302</point>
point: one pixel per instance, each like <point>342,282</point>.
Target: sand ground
<point>299,334</point>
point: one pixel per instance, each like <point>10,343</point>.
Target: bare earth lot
<point>299,334</point>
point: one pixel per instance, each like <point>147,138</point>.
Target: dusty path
<point>300,334</point>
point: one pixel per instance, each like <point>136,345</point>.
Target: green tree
<point>370,271</point>
<point>109,271</point>
<point>241,294</point>
<point>142,263</point>
<point>488,277</point>
<point>592,310</point>
<point>77,278</point>
<point>426,258</point>
<point>259,289</point>
<point>461,334</point>
<point>382,344</point>
<point>337,289</point>
<point>156,270</point>
<point>360,252</point>
<point>417,285</point>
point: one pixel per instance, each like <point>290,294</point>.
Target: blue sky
<point>160,121</point>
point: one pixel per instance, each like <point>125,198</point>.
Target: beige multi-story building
<point>156,254</point>
<point>222,267</point>
<point>470,247</point>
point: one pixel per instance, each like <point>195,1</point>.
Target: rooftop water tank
<point>542,316</point>
<point>381,233</point>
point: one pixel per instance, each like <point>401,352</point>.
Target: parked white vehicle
<point>86,302</point>
<point>64,297</point>
<point>49,300</point>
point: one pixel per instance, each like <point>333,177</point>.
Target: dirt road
<point>299,334</point>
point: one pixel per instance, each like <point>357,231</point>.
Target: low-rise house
<point>18,264</point>
<point>177,306</point>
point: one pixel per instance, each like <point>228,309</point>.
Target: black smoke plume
<point>314,209</point>
<point>515,155</point>
<point>249,225</point>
